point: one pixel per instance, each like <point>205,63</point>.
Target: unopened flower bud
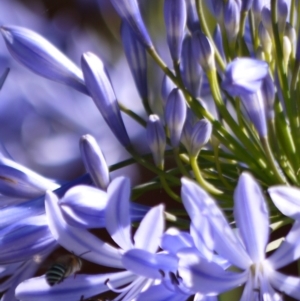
<point>175,115</point>
<point>156,138</point>
<point>175,20</point>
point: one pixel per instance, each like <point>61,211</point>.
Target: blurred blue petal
<point>136,56</point>
<point>23,239</point>
<point>40,56</point>
<point>244,76</point>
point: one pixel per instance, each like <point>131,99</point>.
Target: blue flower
<point>247,252</point>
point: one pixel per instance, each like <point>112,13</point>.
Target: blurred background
<point>41,121</point>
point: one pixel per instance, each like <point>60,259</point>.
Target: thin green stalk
<point>168,190</point>
<point>274,167</point>
<point>203,183</point>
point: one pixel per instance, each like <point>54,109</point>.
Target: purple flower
<point>40,56</point>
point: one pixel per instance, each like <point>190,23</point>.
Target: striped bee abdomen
<point>56,274</point>
<point>64,266</point>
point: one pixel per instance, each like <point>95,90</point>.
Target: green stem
<point>274,167</point>
<point>168,190</point>
<point>203,183</point>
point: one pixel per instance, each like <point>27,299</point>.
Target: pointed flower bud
<point>175,115</point>
<point>94,161</point>
<point>282,13</point>
<point>175,20</point>
<point>100,89</point>
<point>197,136</point>
<point>192,16</point>
<point>232,19</point>
<point>244,76</point>
<point>265,39</point>
<point>166,88</point>
<point>287,50</point>
<point>191,71</point>
<point>290,32</point>
<point>41,57</point>
<point>203,51</point>
<point>246,5</point>
<point>256,109</point>
<point>268,94</point>
<point>136,56</point>
<point>266,19</point>
<point>216,8</point>
<point>219,41</point>
<point>129,10</point>
<point>156,138</point>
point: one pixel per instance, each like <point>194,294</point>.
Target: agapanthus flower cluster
<point>217,216</point>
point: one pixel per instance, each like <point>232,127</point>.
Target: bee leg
<point>81,298</point>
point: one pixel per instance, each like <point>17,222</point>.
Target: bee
<point>63,267</point>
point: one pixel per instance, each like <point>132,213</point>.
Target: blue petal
<point>99,86</point>
<point>76,240</point>
<point>289,250</point>
<point>173,240</point>
<point>244,75</point>
<point>252,216</point>
<point>37,289</point>
<point>150,230</point>
<point>23,239</point>
<point>117,215</point>
<point>287,200</point>
<point>206,277</point>
<point>161,293</point>
<point>289,285</point>
<point>40,56</point>
<point>200,205</point>
<point>84,207</point>
<point>147,264</point>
